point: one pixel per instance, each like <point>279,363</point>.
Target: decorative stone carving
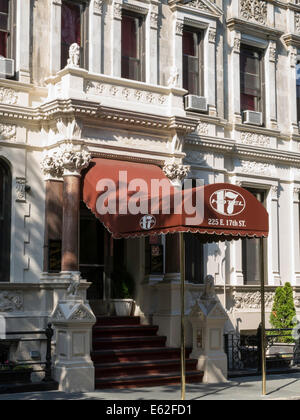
<point>74,55</point>
<point>198,4</point>
<point>74,285</point>
<point>251,300</point>
<point>297,22</point>
<point>255,139</point>
<point>154,20</point>
<point>174,77</point>
<point>67,159</point>
<point>258,168</point>
<point>175,171</point>
<point>8,96</point>
<point>73,158</point>
<point>237,45</point>
<point>98,4</point>
<point>275,192</point>
<point>293,56</point>
<point>11,301</point>
<point>8,131</point>
<point>179,28</point>
<point>117,11</point>
<point>82,314</point>
<point>209,289</point>
<point>212,35</point>
<point>272,52</point>
<point>20,189</point>
<point>254,10</point>
<point>202,128</point>
<point>196,157</point>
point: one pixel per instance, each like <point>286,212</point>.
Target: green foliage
<point>123,285</point>
<point>283,310</point>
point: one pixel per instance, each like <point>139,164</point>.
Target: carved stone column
<point>67,162</point>
<point>73,160</point>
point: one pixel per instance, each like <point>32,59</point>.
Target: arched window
<point>5,223</point>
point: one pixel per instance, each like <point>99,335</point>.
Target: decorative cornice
<point>251,28</point>
<point>291,40</point>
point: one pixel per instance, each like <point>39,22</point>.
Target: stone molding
<point>251,300</point>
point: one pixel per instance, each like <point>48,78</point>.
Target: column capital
<point>68,159</point>
<point>176,172</point>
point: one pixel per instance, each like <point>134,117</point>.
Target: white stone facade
<point>146,122</point>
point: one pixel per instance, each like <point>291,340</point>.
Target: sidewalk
<point>285,386</point>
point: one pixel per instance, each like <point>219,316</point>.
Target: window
<point>192,59</point>
<point>73,30</point>
<point>252,251</point>
<point>298,88</point>
<point>7,18</point>
<point>5,211</point>
<point>132,47</point>
<point>251,79</point>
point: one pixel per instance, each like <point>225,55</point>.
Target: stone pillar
<point>292,79</point>
<point>208,319</point>
<point>95,33</point>
<point>235,77</point>
<point>210,71</point>
<point>70,231</point>
<point>73,159</point>
<point>116,38</point>
<point>153,64</point>
<point>23,40</point>
<point>274,236</point>
<point>55,36</point>
<point>177,51</point>
<point>270,86</point>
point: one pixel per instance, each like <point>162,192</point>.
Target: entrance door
<point>91,256</point>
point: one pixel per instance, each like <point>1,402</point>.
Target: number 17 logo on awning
<point>227,202</point>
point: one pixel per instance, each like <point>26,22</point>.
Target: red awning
<point>217,211</point>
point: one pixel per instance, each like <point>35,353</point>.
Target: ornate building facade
<point>213,85</point>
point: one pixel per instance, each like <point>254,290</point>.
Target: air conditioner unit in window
<point>7,67</point>
<point>253,118</point>
<point>195,103</point>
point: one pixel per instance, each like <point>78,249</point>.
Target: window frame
<point>84,32</point>
<point>141,44</point>
<point>6,212</point>
<point>261,102</point>
<point>298,100</point>
<point>200,55</point>
<point>11,31</point>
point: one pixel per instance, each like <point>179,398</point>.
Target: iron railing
<point>244,351</point>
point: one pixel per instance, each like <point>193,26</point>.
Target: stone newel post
<point>208,318</point>
<point>73,320</point>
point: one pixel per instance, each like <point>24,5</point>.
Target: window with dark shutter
<point>191,49</point>
<point>251,79</point>
<point>7,25</point>
<point>5,216</point>
<point>132,47</point>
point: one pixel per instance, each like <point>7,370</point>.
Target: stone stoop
<point>127,354</point>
